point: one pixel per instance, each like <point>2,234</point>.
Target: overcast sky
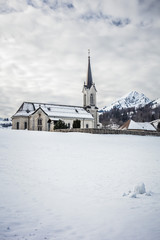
<point>44,50</point>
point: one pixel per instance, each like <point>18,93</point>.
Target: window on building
<point>84,99</point>
<point>25,125</point>
<point>39,124</point>
<point>39,121</point>
<point>17,125</point>
<point>69,125</point>
<point>49,125</point>
<point>86,125</point>
<point>91,99</point>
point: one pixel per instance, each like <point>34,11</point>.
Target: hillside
<point>156,103</point>
<point>135,106</point>
<point>53,187</point>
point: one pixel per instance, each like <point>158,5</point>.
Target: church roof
<point>53,110</point>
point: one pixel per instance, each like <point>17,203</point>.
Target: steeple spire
<point>89,73</point>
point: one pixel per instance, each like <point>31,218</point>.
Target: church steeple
<point>89,73</point>
<point>89,95</point>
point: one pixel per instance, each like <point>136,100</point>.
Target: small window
<point>25,125</point>
<point>69,125</point>
<point>17,125</point>
<point>39,124</point>
<point>84,99</point>
<point>49,126</point>
<point>39,121</point>
<point>86,125</point>
<point>91,99</point>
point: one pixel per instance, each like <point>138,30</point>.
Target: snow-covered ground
<point>71,186</point>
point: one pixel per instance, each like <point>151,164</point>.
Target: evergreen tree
<point>60,125</point>
<point>76,123</point>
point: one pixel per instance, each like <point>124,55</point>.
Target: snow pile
<point>138,189</point>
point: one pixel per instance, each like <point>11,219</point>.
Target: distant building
<point>156,123</point>
<point>138,126</point>
<point>43,116</point>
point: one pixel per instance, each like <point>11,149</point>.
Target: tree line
<point>120,116</point>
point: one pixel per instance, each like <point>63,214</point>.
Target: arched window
<point>91,99</point>
<point>17,125</point>
<point>25,125</point>
<point>84,99</point>
<point>39,124</point>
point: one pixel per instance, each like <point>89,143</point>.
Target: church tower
<point>89,95</point>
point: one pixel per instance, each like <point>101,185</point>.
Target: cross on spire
<point>88,52</point>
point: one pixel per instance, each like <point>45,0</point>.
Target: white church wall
<point>20,123</point>
<point>38,121</point>
<point>85,123</point>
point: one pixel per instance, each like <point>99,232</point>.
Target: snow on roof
<point>54,110</point>
<point>132,125</point>
<point>155,122</point>
<point>54,119</point>
<point>147,126</point>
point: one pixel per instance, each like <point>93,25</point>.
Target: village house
<point>43,116</point>
<point>137,126</point>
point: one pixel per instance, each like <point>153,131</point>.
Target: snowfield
<point>71,186</point>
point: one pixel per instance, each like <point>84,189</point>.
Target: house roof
<point>132,125</point>
<point>155,123</point>
<point>53,110</point>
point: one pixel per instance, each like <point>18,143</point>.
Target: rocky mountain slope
<point>135,106</point>
<point>130,100</point>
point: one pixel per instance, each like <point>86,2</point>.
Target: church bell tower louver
<point>89,95</point>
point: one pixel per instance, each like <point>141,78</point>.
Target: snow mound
<point>140,188</point>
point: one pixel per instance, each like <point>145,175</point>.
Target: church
<point>44,116</point>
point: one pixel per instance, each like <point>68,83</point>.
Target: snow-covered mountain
<point>132,99</point>
<point>156,103</point>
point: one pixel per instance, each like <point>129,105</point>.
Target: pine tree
<point>76,123</point>
<point>60,125</point>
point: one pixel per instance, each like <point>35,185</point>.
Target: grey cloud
<point>149,8</point>
<point>94,16</point>
<point>44,53</point>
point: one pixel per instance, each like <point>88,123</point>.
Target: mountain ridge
<point>130,100</point>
